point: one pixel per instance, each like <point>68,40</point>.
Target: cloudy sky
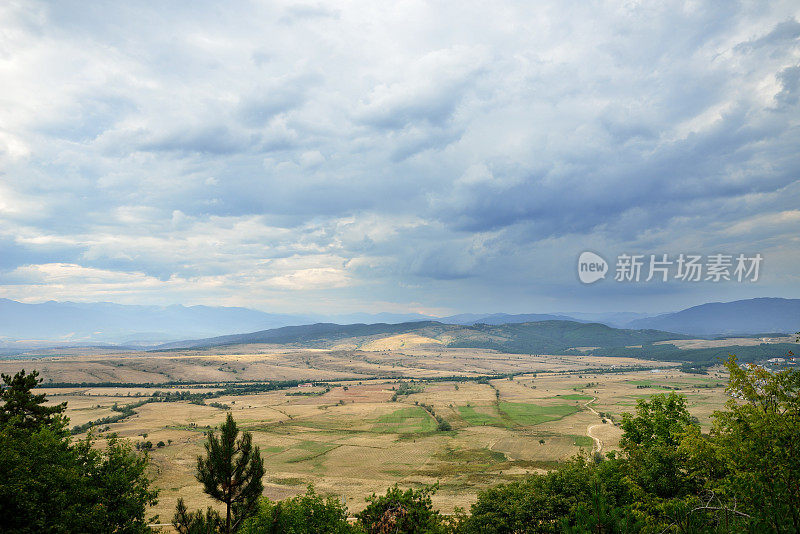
<point>432,157</point>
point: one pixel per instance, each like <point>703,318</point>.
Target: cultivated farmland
<point>355,432</point>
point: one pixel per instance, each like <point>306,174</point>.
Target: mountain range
<point>71,323</point>
<point>106,322</point>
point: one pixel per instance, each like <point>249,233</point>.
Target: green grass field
<point>405,421</point>
<point>476,418</point>
<point>583,441</point>
<point>308,450</point>
<point>525,414</point>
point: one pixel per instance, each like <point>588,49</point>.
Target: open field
<point>725,342</point>
<point>350,438</point>
<point>271,362</point>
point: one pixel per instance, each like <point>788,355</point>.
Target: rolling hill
<point>540,337</point>
<point>533,337</point>
<point>312,334</point>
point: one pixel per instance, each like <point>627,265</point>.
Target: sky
<point>404,157</point>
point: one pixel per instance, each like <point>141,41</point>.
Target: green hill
<point>537,337</point>
<point>555,336</point>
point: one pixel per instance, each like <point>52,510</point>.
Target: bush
<point>307,513</point>
<point>186,522</point>
<point>409,512</point>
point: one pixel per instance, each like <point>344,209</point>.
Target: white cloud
<point>304,279</point>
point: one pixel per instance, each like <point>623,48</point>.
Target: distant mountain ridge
<point>505,318</point>
<point>107,322</point>
<point>749,316</point>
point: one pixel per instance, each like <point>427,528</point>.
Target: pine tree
<point>231,472</point>
<point>23,409</point>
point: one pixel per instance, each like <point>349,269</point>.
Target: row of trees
<point>742,476</point>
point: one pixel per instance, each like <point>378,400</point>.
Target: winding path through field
<point>598,443</point>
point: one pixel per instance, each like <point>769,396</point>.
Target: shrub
<point>305,513</point>
<point>409,512</point>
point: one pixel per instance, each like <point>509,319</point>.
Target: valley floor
<point>349,437</point>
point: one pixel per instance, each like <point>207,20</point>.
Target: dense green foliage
<point>197,522</point>
<point>410,512</point>
<point>749,465</point>
<point>578,494</point>
<point>305,513</point>
<point>49,484</point>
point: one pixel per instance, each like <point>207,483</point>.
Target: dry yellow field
<point>278,362</point>
<point>725,342</point>
<point>353,439</point>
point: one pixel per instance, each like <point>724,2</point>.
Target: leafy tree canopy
<point>409,511</point>
<point>308,513</point>
<point>50,484</point>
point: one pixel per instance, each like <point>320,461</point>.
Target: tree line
<point>669,476</point>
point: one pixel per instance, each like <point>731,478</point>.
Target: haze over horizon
<point>433,159</point>
<point>311,316</point>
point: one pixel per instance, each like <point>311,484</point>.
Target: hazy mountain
<point>749,316</point>
<point>462,318</point>
<point>390,318</point>
<point>504,318</point>
<point>615,319</point>
<point>116,323</point>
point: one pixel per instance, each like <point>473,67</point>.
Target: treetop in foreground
<point>230,472</point>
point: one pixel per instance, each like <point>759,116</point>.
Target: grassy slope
<point>544,337</point>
